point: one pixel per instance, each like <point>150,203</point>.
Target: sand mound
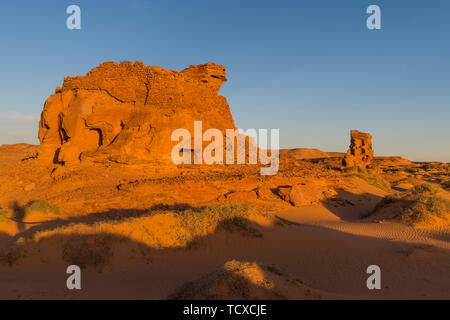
<point>244,280</point>
<point>423,205</point>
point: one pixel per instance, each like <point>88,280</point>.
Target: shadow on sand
<point>300,250</point>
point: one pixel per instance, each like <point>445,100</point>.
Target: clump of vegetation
<point>331,166</point>
<point>12,255</point>
<point>88,251</point>
<point>442,168</point>
<point>371,177</point>
<point>4,216</point>
<point>426,188</point>
<point>42,206</point>
<point>387,200</point>
<point>425,208</point>
<point>38,206</point>
<point>205,220</point>
<point>413,171</point>
<point>416,206</point>
<point>446,184</point>
<point>392,170</point>
<point>392,198</point>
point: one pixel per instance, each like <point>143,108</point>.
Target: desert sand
<point>141,227</point>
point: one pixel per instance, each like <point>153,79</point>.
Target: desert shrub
<point>416,207</point>
<point>442,168</point>
<point>391,170</point>
<point>4,216</point>
<point>206,220</point>
<point>11,256</point>
<point>41,206</point>
<point>446,184</point>
<point>388,200</point>
<point>371,177</point>
<point>414,171</point>
<point>330,166</point>
<point>87,251</point>
<point>425,188</point>
<point>392,198</point>
<point>425,208</point>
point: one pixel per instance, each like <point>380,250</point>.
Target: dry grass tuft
<point>206,220</point>
<point>39,210</point>
<point>371,177</point>
<point>4,216</point>
<point>425,209</point>
<point>418,205</point>
<point>426,188</point>
<point>87,251</point>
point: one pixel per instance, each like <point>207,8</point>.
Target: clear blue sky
<point>308,67</point>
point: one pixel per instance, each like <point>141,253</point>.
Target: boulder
<point>307,193</point>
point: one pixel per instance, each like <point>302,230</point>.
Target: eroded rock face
<point>307,193</point>
<point>360,152</point>
<point>127,112</point>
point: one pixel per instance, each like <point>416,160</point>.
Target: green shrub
<point>425,208</point>
<point>384,202</point>
<point>413,170</point>
<point>442,168</point>
<point>38,206</point>
<point>42,206</point>
<point>426,188</point>
<point>4,216</point>
<point>207,219</point>
<point>390,199</point>
<point>371,177</point>
<point>446,184</point>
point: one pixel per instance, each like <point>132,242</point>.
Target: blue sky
<point>308,67</point>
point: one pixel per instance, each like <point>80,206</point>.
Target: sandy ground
<point>330,256</point>
<point>327,246</point>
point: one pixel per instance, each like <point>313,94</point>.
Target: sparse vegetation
<point>88,251</point>
<point>388,200</point>
<point>442,168</point>
<point>11,256</point>
<point>392,170</point>
<point>38,206</point>
<point>426,188</point>
<point>417,205</point>
<point>446,184</point>
<point>205,220</point>
<point>42,206</point>
<point>425,208</point>
<point>371,177</point>
<point>4,216</point>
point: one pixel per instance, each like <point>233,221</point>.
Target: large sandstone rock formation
<point>360,152</point>
<point>127,112</point>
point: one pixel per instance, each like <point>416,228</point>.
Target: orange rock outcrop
<point>360,152</point>
<point>126,112</point>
